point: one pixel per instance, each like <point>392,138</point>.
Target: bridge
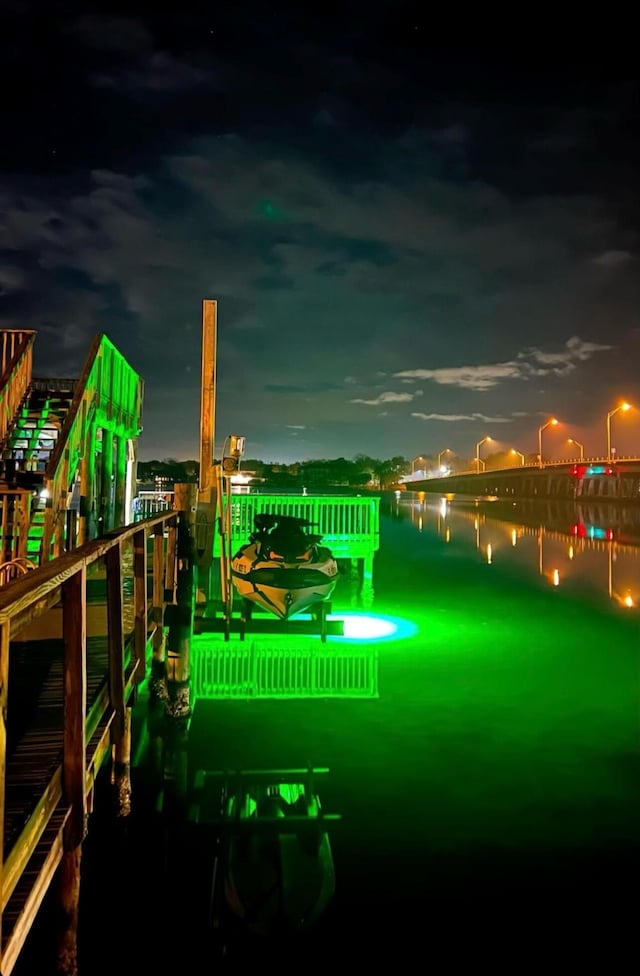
<point>594,478</point>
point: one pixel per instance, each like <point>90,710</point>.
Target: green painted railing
<point>349,525</point>
<point>279,671</point>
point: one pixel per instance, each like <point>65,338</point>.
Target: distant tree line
<point>360,472</point>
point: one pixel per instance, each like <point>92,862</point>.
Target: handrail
<point>15,374</point>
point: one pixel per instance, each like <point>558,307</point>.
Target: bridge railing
<point>54,776</point>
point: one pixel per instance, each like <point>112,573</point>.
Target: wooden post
<point>74,632</point>
<point>120,737</point>
<point>86,527</point>
<point>181,613</point>
<point>5,629</point>
<point>21,518</point>
<point>121,516</point>
<point>140,604</point>
<point>107,488</point>
<point>158,680</point>
<point>208,393</point>
<point>206,514</point>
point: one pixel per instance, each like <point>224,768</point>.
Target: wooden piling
<point>181,613</point>
<point>206,515</point>
<point>74,628</point>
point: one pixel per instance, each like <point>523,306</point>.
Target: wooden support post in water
<point>120,726</point>
<point>140,604</point>
<point>74,632</point>
<point>5,629</point>
<point>158,679</point>
<point>182,612</point>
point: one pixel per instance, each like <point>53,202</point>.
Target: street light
<point>413,463</point>
<point>578,445</point>
<point>478,446</point>
<point>624,407</point>
<point>520,455</point>
<point>550,423</point>
<point>447,450</point>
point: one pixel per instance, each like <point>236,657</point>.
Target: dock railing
<point>349,525</point>
<point>46,782</point>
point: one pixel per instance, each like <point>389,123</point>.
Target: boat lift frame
<point>313,622</point>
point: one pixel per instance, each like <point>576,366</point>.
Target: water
<point>490,795</point>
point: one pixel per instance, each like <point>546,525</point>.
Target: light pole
<point>447,450</point>
<point>520,455</point>
<point>478,446</point>
<point>578,445</point>
<point>624,407</point>
<point>550,423</point>
<point>413,463</point>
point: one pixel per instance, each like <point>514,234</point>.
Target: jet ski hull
<point>284,588</point>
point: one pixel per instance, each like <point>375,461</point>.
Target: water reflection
<point>582,549</point>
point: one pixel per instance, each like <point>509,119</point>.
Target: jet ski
<point>273,872</point>
<point>283,568</point>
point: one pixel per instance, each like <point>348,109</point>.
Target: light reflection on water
<point>590,552</point>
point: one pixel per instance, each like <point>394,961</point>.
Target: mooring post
<point>74,629</point>
<point>181,614</point>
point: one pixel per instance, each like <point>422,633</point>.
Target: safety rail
<point>92,701</point>
<point>349,525</point>
<point>223,671</point>
<point>16,361</point>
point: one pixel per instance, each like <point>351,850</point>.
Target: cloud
<point>456,418</point>
<point>389,398</point>
<point>611,259</point>
<point>105,33</point>
<point>11,279</point>
<point>157,73</point>
<point>482,378</point>
<point>575,350</point>
<point>477,378</point>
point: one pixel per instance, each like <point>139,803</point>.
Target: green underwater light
<point>373,627</point>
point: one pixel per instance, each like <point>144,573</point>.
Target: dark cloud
<point>106,33</point>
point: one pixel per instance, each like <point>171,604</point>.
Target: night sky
<point>411,247</point>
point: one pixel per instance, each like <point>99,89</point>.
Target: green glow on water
<point>373,627</point>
